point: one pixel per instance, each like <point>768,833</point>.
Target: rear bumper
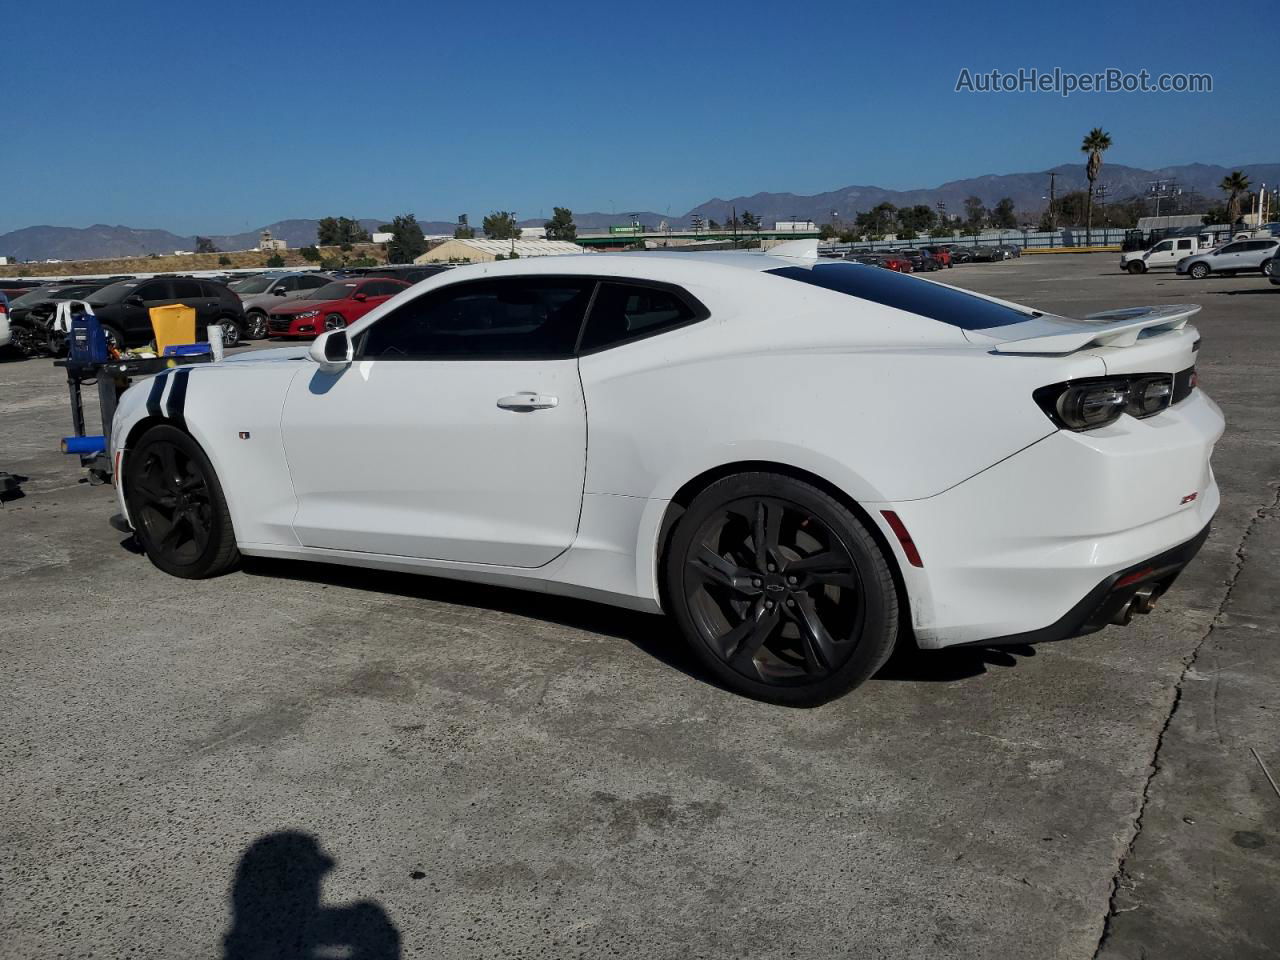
<point>1033,548</point>
<point>1112,600</point>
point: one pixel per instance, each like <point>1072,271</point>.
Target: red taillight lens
<point>904,538</point>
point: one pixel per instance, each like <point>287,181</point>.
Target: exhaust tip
<point>1122,616</point>
<point>1144,598</point>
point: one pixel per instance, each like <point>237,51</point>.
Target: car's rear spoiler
<point>1114,328</point>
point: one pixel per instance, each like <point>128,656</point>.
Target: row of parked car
<point>269,304</point>
<point>936,257</point>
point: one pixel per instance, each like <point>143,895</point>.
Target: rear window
<point>933,300</point>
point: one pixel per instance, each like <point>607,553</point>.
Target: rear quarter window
<point>892,289</point>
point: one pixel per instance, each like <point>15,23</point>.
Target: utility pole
<point>1053,212</point>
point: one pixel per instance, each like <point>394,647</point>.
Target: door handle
<point>527,400</point>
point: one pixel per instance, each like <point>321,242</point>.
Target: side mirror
<point>333,351</point>
<point>134,300</point>
<point>360,296</point>
<point>279,291</point>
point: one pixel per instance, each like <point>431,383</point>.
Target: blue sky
<point>220,117</point>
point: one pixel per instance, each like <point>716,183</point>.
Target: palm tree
<point>1095,142</point>
<point>1234,184</point>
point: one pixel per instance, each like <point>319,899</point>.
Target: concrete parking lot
<point>344,763</point>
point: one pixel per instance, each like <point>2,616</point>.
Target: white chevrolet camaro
<point>801,461</point>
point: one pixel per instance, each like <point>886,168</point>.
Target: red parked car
<point>896,261</point>
<point>941,254</point>
<point>331,307</point>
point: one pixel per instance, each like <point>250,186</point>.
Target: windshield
<point>32,297</point>
<point>113,293</point>
<point>338,290</point>
<point>251,285</point>
<point>892,289</point>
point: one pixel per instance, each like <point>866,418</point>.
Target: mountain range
<point>1027,191</point>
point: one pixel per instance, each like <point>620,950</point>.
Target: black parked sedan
<point>123,308</point>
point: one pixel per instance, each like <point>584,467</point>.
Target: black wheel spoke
<point>765,533</point>
<point>828,567</point>
<point>819,646</point>
<point>156,494</point>
<point>740,645</point>
<point>171,537</point>
<point>713,568</point>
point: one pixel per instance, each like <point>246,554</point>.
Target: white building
<point>795,226</point>
<point>382,237</point>
<point>483,251</point>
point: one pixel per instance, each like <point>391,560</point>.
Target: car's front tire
<point>781,591</point>
<point>1267,268</point>
<point>334,321</point>
<point>1198,271</point>
<point>1136,267</point>
<point>255,325</point>
<point>177,507</point>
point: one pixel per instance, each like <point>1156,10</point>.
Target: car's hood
<point>273,355</point>
<point>302,306</point>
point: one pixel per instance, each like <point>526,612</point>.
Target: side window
<point>213,290</point>
<point>515,318</point>
<point>311,283</point>
<point>1232,248</point>
<point>287,284</point>
<point>155,290</point>
<point>624,311</point>
<point>1184,244</point>
<point>187,290</point>
<point>1163,246</point>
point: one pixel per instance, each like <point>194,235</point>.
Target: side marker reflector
<point>900,531</point>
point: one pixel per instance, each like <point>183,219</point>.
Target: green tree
<point>561,225</point>
<point>275,260</point>
<point>750,221</point>
<point>1002,215</point>
<point>310,254</point>
<point>407,242</point>
<point>224,261</point>
<point>712,225</point>
<point>205,245</point>
<point>917,219</point>
<point>826,232</point>
<point>501,225</point>
<point>1095,143</point>
<point>335,231</point>
<point>975,214</point>
<point>1233,185</point>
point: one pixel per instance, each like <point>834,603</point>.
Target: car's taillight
<point>1088,404</point>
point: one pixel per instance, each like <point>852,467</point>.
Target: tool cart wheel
<point>177,507</point>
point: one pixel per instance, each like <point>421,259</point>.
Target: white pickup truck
<point>1165,253</point>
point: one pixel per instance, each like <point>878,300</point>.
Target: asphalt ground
<point>302,760</point>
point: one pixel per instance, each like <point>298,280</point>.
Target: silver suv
<point>263,291</point>
<point>1232,258</point>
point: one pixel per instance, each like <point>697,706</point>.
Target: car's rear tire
<point>1198,271</point>
<point>1136,267</point>
<point>177,507</point>
<point>781,591</point>
<point>231,331</point>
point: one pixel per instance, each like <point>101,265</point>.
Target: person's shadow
<point>277,914</point>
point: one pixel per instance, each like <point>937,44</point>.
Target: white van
<point>1165,253</point>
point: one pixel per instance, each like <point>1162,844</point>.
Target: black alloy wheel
<point>783,593</point>
<point>176,505</point>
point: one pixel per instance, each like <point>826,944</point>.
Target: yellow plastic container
<point>173,324</point>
